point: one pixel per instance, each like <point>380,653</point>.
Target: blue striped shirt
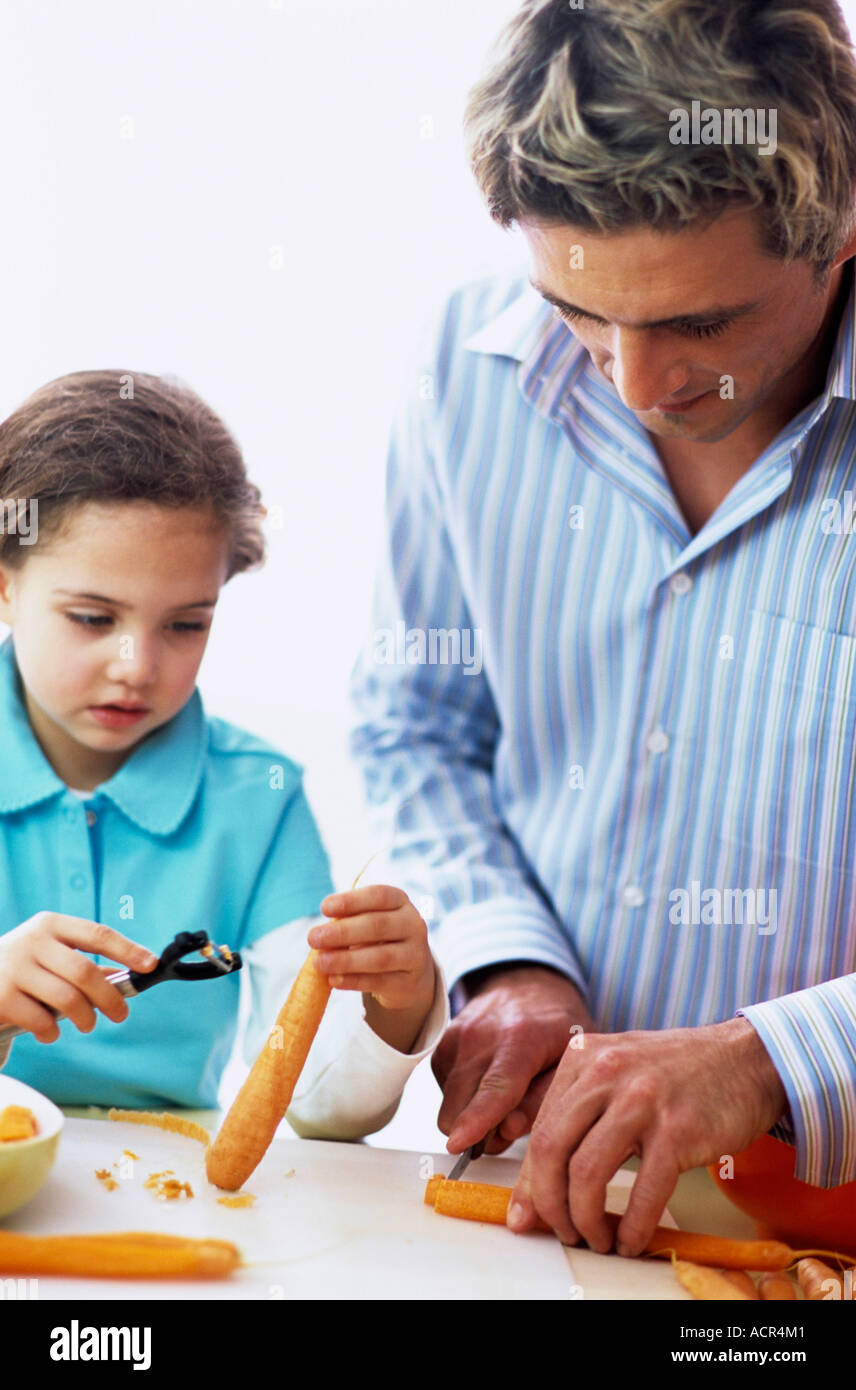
<point>606,744</point>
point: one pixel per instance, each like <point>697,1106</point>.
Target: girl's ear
<point>7,589</point>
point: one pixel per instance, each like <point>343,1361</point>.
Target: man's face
<point>753,320</point>
<point>139,643</point>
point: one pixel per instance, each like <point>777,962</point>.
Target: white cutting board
<point>349,1224</point>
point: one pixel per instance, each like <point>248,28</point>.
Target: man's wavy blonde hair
<point>570,124</point>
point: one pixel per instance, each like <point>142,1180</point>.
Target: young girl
<point>127,814</point>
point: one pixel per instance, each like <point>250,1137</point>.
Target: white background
<point>158,161</point>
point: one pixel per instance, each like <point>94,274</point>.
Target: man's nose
<point>645,374</point>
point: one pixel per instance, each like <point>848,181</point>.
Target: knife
<point>466,1158</point>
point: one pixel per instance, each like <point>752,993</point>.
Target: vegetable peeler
<point>219,960</point>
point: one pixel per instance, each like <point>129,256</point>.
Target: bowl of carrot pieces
<point>30,1127</point>
<point>763,1186</point>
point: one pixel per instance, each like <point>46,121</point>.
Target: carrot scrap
<point>742,1281</point>
<point>777,1288</point>
<point>246,1133</point>
<point>818,1281</point>
<point>104,1176</point>
<point>174,1124</point>
<point>127,1154</point>
<point>708,1284</point>
<point>17,1122</point>
<point>241,1199</point>
<point>166,1186</point>
<point>118,1255</point>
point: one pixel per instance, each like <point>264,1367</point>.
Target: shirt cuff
<point>811,1038</point>
<point>5,1049</point>
<point>488,933</point>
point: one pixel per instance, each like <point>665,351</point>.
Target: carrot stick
<point>125,1255</point>
<point>476,1201</point>
<point>776,1288</point>
<point>741,1280</point>
<point>709,1284</point>
<point>815,1280</point>
<point>262,1101</point>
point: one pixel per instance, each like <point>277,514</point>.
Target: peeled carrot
<point>742,1281</point>
<point>709,1284</point>
<point>815,1279</point>
<point>124,1255</point>
<point>246,1133</point>
<point>262,1101</point>
<point>476,1201</point>
<point>776,1288</point>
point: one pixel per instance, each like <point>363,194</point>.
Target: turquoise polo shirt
<point>204,827</point>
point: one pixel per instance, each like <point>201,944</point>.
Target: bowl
<point>803,1216</point>
<point>25,1163</point>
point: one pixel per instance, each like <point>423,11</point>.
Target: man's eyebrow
<point>114,602</point>
<point>728,311</point>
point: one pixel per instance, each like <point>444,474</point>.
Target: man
<point>637,819</point>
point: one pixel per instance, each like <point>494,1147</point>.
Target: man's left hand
<point>679,1098</point>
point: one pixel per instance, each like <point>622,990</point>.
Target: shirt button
<point>657,741</point>
<point>91,818</point>
<point>633,895</point>
<point>70,814</point>
<point>680,583</point>
<point>77,881</point>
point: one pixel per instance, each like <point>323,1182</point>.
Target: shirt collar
<point>526,330</point>
<point>155,788</point>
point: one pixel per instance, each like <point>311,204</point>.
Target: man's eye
<point>707,330</point>
<point>89,619</point>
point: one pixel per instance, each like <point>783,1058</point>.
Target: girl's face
<point>115,612</point>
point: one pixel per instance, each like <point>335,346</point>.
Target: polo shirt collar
<point>155,788</point>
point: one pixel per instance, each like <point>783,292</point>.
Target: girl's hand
<point>378,944</point>
<point>42,968</point>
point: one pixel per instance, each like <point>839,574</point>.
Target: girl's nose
<point>136,659</point>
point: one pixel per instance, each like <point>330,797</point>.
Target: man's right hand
<point>496,1060</point>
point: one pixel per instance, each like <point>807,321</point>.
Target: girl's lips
<point>113,717</point>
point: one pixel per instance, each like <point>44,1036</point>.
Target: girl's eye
<point>100,620</point>
<point>88,619</point>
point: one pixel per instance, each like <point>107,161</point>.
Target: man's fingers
<point>654,1185</point>
<point>500,1090</point>
<point>521,1209</point>
<point>592,1166</point>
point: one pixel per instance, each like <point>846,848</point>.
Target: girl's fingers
<point>100,940</point>
<point>58,994</point>
<point>375,897</point>
<point>23,1011</point>
<point>390,958</point>
<point>85,985</point>
<point>387,985</point>
<point>367,927</point>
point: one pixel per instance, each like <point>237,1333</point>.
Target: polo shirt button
<point>657,741</point>
<point>91,818</point>
<point>633,895</point>
<point>77,881</point>
<point>680,583</point>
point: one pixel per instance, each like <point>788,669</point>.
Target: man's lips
<point>676,406</point>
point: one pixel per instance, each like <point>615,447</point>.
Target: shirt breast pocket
<point>788,771</point>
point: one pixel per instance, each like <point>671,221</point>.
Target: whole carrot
<point>711,1285</point>
<point>739,1279</point>
<point>818,1281</point>
<point>262,1101</point>
<point>476,1201</point>
<point>122,1255</point>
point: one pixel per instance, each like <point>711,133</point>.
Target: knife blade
<point>466,1158</point>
